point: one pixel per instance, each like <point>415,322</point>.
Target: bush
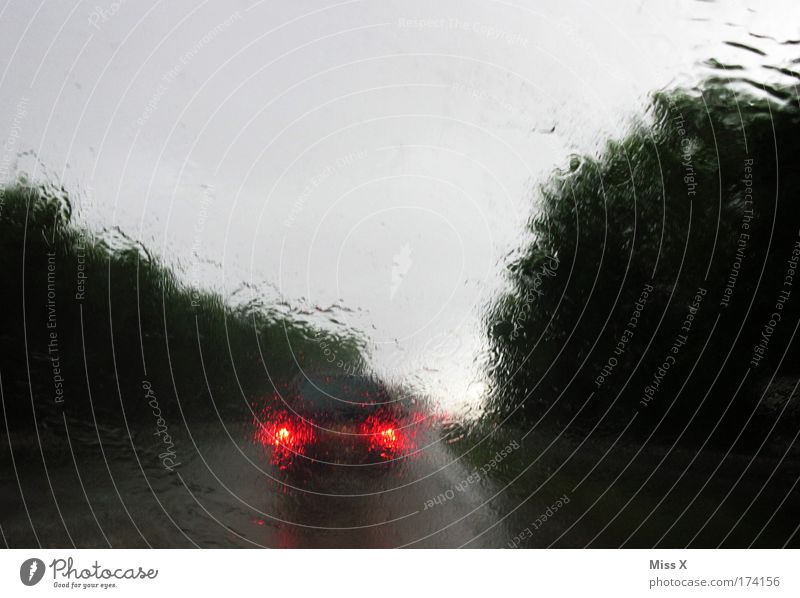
<point>666,206</point>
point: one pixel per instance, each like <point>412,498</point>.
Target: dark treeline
<point>654,271</point>
<point>82,321</point>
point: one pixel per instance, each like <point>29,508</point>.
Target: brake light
<point>385,438</point>
<point>284,438</point>
<point>389,437</point>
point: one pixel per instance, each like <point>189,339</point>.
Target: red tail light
<point>386,438</point>
<point>283,437</point>
<point>389,438</point>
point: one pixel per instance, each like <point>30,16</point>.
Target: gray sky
<point>378,155</point>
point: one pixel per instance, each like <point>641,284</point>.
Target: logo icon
<point>31,572</point>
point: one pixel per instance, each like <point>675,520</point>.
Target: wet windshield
<point>559,241</point>
<point>342,394</point>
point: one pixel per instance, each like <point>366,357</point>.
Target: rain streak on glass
<point>397,274</point>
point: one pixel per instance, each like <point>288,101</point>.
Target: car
<point>337,419</point>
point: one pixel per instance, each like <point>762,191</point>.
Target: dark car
<point>338,419</point>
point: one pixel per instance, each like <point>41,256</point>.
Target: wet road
<point>224,492</point>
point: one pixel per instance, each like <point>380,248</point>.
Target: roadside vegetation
<point>86,322</point>
<point>653,272</point>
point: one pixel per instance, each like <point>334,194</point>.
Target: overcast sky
<point>376,155</point>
